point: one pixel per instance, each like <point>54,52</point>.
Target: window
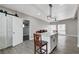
<point>53,28</point>
<point>61,29</point>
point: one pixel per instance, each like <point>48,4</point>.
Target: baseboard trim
<point>72,35</point>
<point>68,35</point>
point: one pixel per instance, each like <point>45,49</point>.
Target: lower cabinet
<point>53,41</point>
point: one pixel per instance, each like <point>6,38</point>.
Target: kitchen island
<point>52,39</point>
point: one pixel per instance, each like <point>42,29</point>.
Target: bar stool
<point>39,44</point>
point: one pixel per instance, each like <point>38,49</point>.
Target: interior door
<point>2,31</point>
<point>17,31</point>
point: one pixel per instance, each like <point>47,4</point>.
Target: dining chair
<point>39,44</point>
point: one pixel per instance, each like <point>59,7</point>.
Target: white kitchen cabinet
<point>11,31</point>
<point>52,40</point>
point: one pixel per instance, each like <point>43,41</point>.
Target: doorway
<point>25,30</point>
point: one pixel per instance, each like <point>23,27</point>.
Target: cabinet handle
<point>53,40</point>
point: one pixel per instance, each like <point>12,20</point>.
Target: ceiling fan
<point>50,13</point>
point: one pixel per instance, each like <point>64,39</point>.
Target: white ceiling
<point>41,11</point>
<point>64,11</point>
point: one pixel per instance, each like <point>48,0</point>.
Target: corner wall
<point>35,25</point>
<point>71,26</point>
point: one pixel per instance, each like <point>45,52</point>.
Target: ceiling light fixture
<point>50,13</point>
<point>38,14</point>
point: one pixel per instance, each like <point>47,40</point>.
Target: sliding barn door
<point>2,31</point>
<point>17,31</point>
<point>9,30</point>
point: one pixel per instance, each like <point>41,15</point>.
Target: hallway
<point>66,45</point>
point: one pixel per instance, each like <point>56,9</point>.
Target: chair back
<point>37,39</point>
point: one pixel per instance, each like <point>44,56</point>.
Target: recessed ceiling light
<point>22,9</point>
<point>38,14</point>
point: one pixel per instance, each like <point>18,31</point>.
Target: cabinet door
<point>56,39</point>
<point>17,31</point>
<point>52,42</point>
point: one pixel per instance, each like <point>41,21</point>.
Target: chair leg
<point>34,49</point>
<point>46,49</point>
<point>40,50</point>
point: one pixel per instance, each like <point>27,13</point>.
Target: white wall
<point>78,28</point>
<point>35,24</point>
<point>71,26</point>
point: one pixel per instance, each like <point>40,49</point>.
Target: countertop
<point>48,34</point>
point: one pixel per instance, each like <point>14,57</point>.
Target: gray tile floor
<point>23,48</point>
<point>66,45</point>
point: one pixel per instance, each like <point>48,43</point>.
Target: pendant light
<point>50,13</point>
